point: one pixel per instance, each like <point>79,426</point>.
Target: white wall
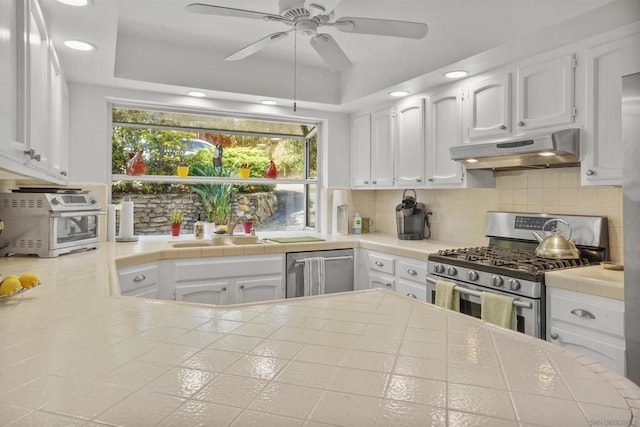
<point>90,131</point>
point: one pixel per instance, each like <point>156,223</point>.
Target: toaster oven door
<point>74,228</point>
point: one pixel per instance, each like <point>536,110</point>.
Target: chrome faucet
<point>231,222</point>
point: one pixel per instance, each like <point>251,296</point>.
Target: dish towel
<point>498,309</point>
<point>447,296</point>
<point>313,278</point>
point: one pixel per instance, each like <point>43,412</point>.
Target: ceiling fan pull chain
<point>295,66</point>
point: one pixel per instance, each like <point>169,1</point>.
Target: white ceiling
<point>156,44</point>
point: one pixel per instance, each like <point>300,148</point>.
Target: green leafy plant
<point>216,198</point>
<point>176,216</point>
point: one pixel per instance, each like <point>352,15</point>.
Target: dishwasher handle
<point>330,258</point>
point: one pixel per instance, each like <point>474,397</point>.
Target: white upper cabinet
<point>444,131</point>
<point>361,151</point>
<point>488,108</point>
<point>382,148</point>
<point>409,142</point>
<point>606,64</point>
<point>38,146</point>
<point>59,133</point>
<point>12,143</point>
<point>545,94</point>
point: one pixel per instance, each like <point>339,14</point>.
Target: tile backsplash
<point>458,215</point>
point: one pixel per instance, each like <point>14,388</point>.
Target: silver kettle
<point>556,245</point>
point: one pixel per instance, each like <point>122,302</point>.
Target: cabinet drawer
<point>598,313</point>
<point>412,289</point>
<point>413,271</point>
<point>381,281</point>
<point>383,264</point>
<point>138,277</point>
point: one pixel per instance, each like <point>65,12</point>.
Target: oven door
<point>69,229</point>
<point>528,310</point>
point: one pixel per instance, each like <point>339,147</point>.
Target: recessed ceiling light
<point>546,154</point>
<point>471,160</point>
<point>197,94</point>
<point>78,3</point>
<point>399,93</point>
<point>79,45</point>
<point>455,74</point>
<point>268,102</point>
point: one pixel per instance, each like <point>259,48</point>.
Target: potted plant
<point>176,221</point>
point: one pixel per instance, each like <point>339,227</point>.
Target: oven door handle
<point>466,291</point>
<point>76,213</point>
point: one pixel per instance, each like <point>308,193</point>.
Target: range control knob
<point>451,271</point>
<point>55,201</point>
<point>438,268</point>
<point>514,284</point>
<point>497,281</point>
<point>472,275</point>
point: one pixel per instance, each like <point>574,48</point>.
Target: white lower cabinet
<point>590,325</point>
<point>406,276</point>
<point>140,280</point>
<point>228,280</point>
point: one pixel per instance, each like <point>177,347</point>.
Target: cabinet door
<point>444,131</point>
<point>610,355</point>
<point>545,94</point>
<point>59,95</point>
<point>409,143</point>
<point>12,22</point>
<point>381,281</point>
<point>606,64</point>
<point>39,102</point>
<point>382,148</point>
<point>488,108</point>
<point>204,293</point>
<point>255,290</point>
<point>361,151</point>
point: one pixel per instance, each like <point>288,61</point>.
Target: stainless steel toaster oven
<point>48,221</point>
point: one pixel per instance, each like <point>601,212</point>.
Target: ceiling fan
<point>306,16</point>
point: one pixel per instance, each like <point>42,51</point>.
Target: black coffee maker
<point>412,218</point>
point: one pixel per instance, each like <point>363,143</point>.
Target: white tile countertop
<point>72,355</point>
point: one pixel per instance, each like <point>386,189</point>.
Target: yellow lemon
<point>9,286</point>
<point>28,279</point>
<point>9,276</point>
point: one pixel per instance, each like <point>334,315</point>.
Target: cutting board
<point>298,239</point>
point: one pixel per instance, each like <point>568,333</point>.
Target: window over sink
<point>219,167</point>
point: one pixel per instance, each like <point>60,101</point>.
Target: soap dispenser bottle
<point>198,228</point>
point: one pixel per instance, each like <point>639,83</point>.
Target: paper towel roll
<point>111,222</point>
<point>126,220</point>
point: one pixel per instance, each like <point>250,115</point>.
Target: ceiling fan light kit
<point>305,17</point>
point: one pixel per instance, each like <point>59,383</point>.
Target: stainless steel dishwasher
<point>338,271</point>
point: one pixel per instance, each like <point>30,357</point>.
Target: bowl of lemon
<point>12,284</point>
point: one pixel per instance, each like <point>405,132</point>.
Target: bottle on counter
<point>198,228</point>
<point>356,227</point>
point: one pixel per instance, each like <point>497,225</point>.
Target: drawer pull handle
<point>139,278</point>
<point>224,289</point>
<point>379,264</point>
<point>412,272</point>
<point>241,286</point>
<point>388,285</point>
<point>412,295</point>
<point>554,336</point>
<point>583,313</point>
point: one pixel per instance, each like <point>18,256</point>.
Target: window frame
<point>172,179</point>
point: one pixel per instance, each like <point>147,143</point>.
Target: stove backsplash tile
<point>459,215</point>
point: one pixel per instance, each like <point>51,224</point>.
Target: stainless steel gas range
<point>508,265</point>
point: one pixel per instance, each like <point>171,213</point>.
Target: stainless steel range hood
<point>557,149</point>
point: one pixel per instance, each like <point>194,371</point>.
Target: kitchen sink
<point>220,240</point>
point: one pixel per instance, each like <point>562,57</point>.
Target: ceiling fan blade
<point>321,7</point>
<point>329,51</point>
<point>256,46</point>
<point>382,27</point>
<point>207,9</point>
